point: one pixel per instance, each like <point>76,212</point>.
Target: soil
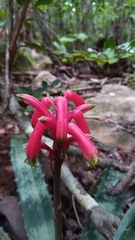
<point>87,176</point>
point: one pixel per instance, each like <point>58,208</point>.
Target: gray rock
<point>113,105</point>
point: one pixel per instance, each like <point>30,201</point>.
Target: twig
<point>13,45</point>
<point>105,222</point>
<point>123,183</point>
<point>76,214</point>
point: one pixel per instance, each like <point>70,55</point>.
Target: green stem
<point>57,195</point>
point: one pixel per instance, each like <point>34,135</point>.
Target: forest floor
<point>86,175</point>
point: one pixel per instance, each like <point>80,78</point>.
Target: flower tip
<point>94,161</point>
<point>18,95</point>
<point>42,119</point>
<point>92,106</point>
<point>32,163</point>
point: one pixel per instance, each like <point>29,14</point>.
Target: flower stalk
<point>57,195</point>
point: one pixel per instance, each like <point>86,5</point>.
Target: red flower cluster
<point>61,123</point>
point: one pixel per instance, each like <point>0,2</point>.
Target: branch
<point>123,183</point>
<point>105,222</point>
<point>7,81</point>
<point>13,45</point>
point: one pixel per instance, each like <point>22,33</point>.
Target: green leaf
<point>132,43</point>
<point>4,235</point>
<point>97,59</point>
<point>35,200</point>
<point>110,55</point>
<point>43,2</point>
<point>126,225</point>
<point>35,46</point>
<point>55,83</point>
<point>60,47</point>
<point>110,43</point>
<point>45,85</point>
<point>81,36</point>
<point>22,89</point>
<point>20,2</point>
<point>28,21</point>
<point>30,58</point>
<point>84,54</point>
<point>67,39</point>
<point>38,93</point>
<point>109,178</point>
<point>132,15</point>
<point>130,234</point>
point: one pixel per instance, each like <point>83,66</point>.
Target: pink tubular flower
<point>83,108</point>
<point>81,122</point>
<point>86,145</point>
<point>35,103</point>
<point>47,102</point>
<point>33,146</point>
<point>62,119</point>
<point>35,117</point>
<point>60,125</point>
<point>74,97</point>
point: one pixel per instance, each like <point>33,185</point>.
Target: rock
<point>42,61</point>
<point>114,104</point>
<point>43,76</point>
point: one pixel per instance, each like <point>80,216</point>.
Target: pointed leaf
<point>45,85</point>
<point>55,83</point>
<point>38,93</point>
<point>35,200</point>
<point>110,43</point>
<point>130,233</point>
<point>109,178</point>
<point>22,89</point>
<point>126,223</point>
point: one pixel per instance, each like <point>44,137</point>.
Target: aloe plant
<point>126,229</point>
<point>35,201</point>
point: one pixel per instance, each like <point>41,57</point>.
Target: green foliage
<point>126,229</point>
<point>110,43</point>
<point>111,204</point>
<point>71,29</point>
<point>20,2</point>
<point>38,93</point>
<point>35,200</point>
<point>30,58</point>
<point>109,178</point>
<point>43,2</point>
